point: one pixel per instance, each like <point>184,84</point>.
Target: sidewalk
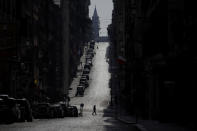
<point>76,80</point>
<point>145,125</point>
<point>150,125</point>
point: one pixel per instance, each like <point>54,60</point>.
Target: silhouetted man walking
<point>94,110</point>
<point>81,109</point>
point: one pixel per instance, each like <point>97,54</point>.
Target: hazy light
<point>104,9</point>
<point>57,2</point>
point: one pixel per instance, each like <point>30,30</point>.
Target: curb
<point>126,122</point>
<point>141,127</point>
<point>138,126</point>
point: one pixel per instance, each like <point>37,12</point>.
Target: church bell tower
<point>95,25</point>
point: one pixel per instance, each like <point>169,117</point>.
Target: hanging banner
<point>121,60</point>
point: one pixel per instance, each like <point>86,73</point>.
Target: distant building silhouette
<point>96,28</point>
<point>95,25</point>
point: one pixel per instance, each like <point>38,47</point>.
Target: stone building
<point>159,66</point>
<point>35,55</point>
<point>79,30</point>
<point>8,45</point>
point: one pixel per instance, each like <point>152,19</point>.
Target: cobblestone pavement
<point>98,93</point>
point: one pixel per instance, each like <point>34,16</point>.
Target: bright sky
<point>104,9</point>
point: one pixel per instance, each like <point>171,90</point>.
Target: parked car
<point>89,62</point>
<point>4,96</point>
<point>86,71</point>
<point>72,111</point>
<point>57,110</point>
<point>9,110</point>
<point>89,56</point>
<point>90,50</point>
<point>25,108</point>
<point>80,90</point>
<point>64,107</point>
<point>87,66</point>
<point>85,75</point>
<point>92,46</point>
<point>4,111</point>
<point>92,42</point>
<point>69,111</point>
<point>84,78</point>
<point>84,82</point>
<point>43,110</point>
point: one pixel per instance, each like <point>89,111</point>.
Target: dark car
<point>92,42</point>
<point>89,56</point>
<point>25,108</point>
<point>64,107</point>
<point>82,84</point>
<point>92,46</point>
<point>57,110</point>
<point>90,51</point>
<point>86,71</point>
<point>9,110</point>
<point>84,78</point>
<point>4,111</point>
<point>4,96</point>
<point>43,110</point>
<point>87,66</point>
<point>72,111</point>
<point>80,90</point>
<point>84,81</point>
<point>85,75</point>
<point>89,62</point>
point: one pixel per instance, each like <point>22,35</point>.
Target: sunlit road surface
<point>98,93</point>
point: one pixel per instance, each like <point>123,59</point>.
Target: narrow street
<point>98,93</point>
<point>98,65</point>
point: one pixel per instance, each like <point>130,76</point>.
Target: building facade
<point>158,65</point>
<point>38,59</point>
